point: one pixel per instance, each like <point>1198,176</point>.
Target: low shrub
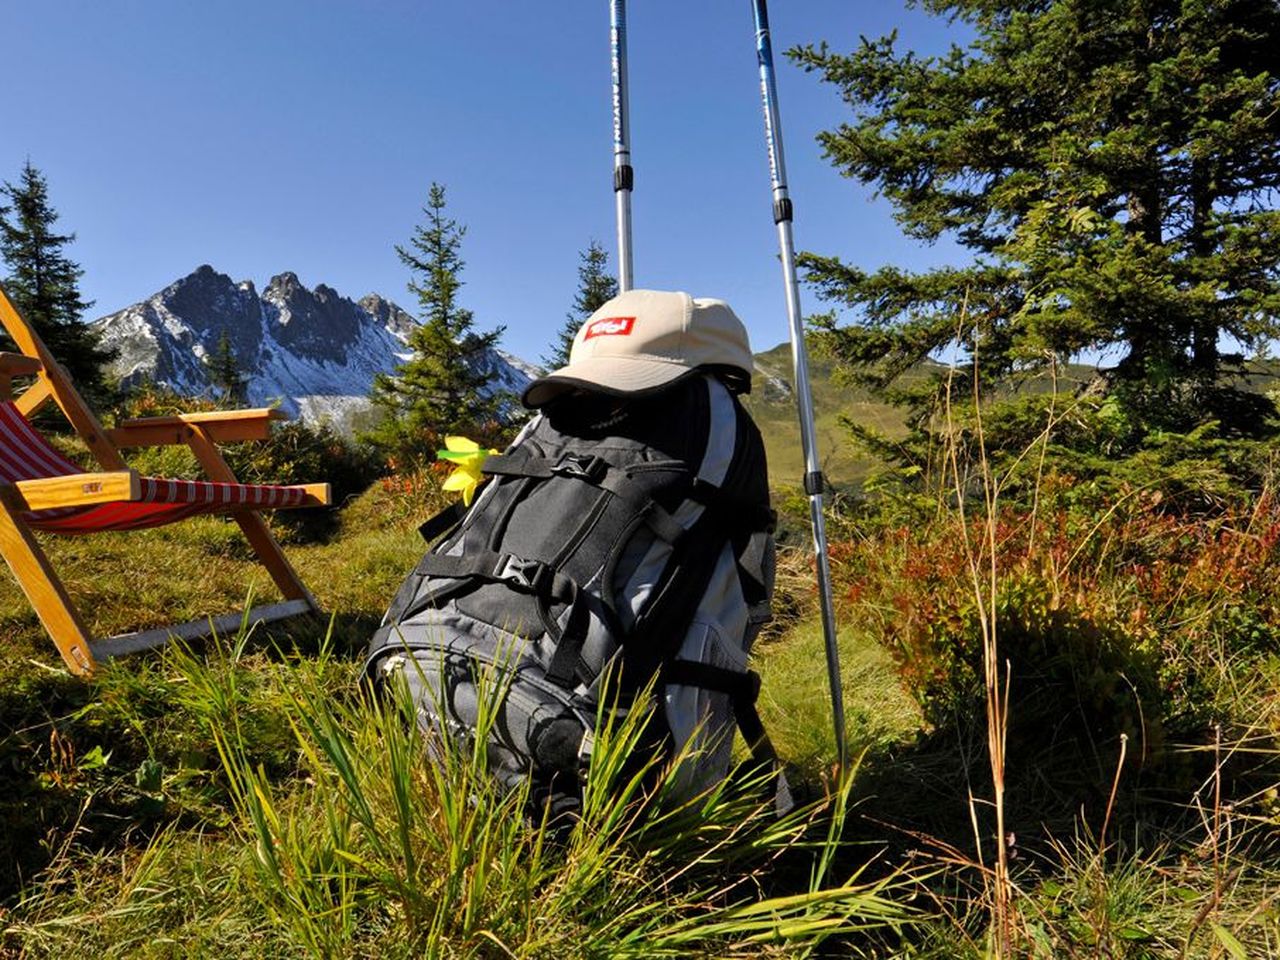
<point>403,499</point>
<point>300,452</point>
<point>1202,466</point>
<point>1112,621</point>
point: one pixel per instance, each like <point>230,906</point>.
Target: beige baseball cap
<point>646,339</point>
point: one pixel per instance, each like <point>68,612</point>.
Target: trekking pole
<point>813,479</point>
<point>623,175</point>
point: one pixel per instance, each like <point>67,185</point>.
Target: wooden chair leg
<point>254,527</point>
<point>45,592</point>
<point>272,557</point>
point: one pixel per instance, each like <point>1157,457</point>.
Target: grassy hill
<point>773,406</point>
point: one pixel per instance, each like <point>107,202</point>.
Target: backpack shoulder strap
<point>443,522</point>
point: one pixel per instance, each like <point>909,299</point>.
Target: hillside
<point>206,802</point>
<point>772,405</point>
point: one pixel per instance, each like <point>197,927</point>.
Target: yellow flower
<point>468,457</point>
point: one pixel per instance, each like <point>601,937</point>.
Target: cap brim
<point>618,376</point>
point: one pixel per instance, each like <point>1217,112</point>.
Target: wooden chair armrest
<point>222,426</point>
<point>317,494</point>
<point>73,490</point>
<point>19,365</point>
<point>15,365</point>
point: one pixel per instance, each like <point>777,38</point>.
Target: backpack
<point>630,537</point>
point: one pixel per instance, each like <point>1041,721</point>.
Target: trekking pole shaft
<point>623,175</point>
<point>813,480</point>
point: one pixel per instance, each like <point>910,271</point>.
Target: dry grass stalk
<point>983,570</point>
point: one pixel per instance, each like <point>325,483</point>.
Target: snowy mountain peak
<point>318,324</point>
<point>388,315</point>
<point>314,350</point>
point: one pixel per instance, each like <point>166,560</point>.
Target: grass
<point>879,714</point>
<point>773,407</point>
<point>324,830</point>
<point>243,799</point>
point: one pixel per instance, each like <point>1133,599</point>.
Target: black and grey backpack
<point>629,537</point>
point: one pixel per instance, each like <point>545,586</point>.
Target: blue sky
<point>282,135</point>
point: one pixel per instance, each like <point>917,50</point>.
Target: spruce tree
<point>1111,166</point>
<point>595,286</point>
<point>44,283</point>
<point>441,388</point>
<point>223,371</point>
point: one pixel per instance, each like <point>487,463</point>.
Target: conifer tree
<point>595,286</point>
<point>223,370</point>
<point>44,283</point>
<point>1112,167</point>
<point>440,389</point>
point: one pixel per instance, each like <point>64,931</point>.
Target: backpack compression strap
<point>751,516</point>
<point>743,690</point>
<point>531,576</point>
<point>595,471</point>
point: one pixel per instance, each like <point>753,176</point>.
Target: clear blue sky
<point>271,135</point>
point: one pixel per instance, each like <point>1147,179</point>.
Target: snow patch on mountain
<point>769,384</point>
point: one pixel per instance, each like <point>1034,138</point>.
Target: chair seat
<point>165,501</point>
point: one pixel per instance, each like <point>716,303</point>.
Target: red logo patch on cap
<point>610,327</point>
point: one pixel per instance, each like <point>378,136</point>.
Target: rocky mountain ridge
<point>313,351</point>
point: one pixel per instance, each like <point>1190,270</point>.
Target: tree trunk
<point>1143,221</point>
<point>1204,334</point>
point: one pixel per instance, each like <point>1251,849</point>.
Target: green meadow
<point>242,797</point>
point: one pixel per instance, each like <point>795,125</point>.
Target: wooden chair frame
<point>202,432</point>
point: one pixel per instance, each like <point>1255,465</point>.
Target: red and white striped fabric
<point>25,455</point>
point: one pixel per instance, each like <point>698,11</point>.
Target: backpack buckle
<point>529,574</point>
<point>583,466</point>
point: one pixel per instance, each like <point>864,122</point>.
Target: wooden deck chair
<point>40,489</point>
